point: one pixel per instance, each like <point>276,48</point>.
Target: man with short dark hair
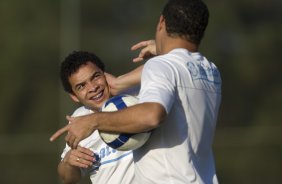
<point>83,77</point>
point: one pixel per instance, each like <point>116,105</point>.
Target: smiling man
<point>88,84</point>
<point>83,78</point>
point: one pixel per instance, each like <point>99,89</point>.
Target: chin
<point>99,105</point>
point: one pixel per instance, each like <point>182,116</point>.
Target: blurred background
<point>243,39</point>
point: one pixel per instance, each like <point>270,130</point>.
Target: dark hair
<point>73,62</point>
<point>186,18</point>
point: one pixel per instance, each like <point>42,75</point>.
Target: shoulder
<point>159,65</point>
<point>166,59</point>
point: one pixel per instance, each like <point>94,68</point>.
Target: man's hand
<point>147,52</point>
<point>80,157</point>
<point>113,83</point>
<point>78,129</point>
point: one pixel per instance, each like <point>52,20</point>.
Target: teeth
<point>97,96</point>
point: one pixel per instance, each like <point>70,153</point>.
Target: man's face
<point>89,86</point>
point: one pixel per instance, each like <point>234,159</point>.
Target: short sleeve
<point>158,83</point>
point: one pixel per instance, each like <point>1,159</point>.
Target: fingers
<point>141,44</point>
<point>80,157</point>
<point>85,157</point>
<point>110,79</point>
<point>75,143</point>
<point>59,133</point>
<point>149,50</point>
<point>142,55</point>
<point>138,59</point>
<point>108,75</point>
<point>85,150</point>
<point>70,140</point>
<point>145,53</point>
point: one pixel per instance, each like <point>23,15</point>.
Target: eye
<point>80,87</point>
<point>96,76</point>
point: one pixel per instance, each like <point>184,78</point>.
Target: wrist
<point>94,124</point>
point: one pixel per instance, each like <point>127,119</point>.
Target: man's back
<point>179,150</point>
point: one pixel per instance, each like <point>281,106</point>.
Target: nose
<point>93,87</point>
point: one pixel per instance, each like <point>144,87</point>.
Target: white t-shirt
<point>115,167</point>
<point>179,151</point>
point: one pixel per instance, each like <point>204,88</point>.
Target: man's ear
<point>73,97</point>
<point>161,24</point>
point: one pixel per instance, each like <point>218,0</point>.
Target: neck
<point>173,43</point>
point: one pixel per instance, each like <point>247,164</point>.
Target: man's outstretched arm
<point>138,118</point>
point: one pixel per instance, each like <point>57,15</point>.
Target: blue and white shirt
<point>114,167</point>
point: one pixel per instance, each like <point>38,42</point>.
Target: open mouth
<point>99,97</point>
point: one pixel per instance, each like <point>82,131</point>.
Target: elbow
<point>68,175</point>
<point>152,124</point>
<point>153,121</point>
<point>155,116</point>
<point>62,174</point>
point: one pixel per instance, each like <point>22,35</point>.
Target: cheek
<point>102,82</point>
<point>82,94</point>
<point>105,84</point>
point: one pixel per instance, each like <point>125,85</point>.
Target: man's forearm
<point>130,79</point>
<point>151,114</point>
<point>69,174</point>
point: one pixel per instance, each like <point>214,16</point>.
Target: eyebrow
<point>91,77</point>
